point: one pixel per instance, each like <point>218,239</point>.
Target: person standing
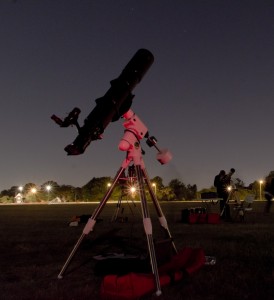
<point>221,182</point>
<point>269,194</point>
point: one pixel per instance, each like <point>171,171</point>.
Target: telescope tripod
<point>133,155</point>
<point>127,182</point>
<point>120,209</point>
<point>232,196</point>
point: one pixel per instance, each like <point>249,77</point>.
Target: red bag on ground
<point>202,218</point>
<point>213,218</point>
<point>132,286</point>
<point>193,218</point>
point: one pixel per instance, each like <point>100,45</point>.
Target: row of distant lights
<point>49,187</point>
<point>133,189</point>
<point>261,182</point>
<point>34,190</point>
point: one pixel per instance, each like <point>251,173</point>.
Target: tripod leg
<point>224,210</point>
<point>148,229</point>
<point>118,207</point>
<point>60,275</point>
<point>161,216</point>
<point>91,222</point>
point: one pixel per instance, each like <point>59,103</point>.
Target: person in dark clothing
<point>221,182</point>
<point>269,194</point>
<point>218,182</point>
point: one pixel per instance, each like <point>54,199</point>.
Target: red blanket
<point>132,286</point>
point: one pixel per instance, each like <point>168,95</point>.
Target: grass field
<point>36,240</point>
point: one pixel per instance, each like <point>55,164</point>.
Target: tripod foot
<point>158,293</point>
<point>60,277</point>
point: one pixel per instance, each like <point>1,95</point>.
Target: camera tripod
<point>135,131</point>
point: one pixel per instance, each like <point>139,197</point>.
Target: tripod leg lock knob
<point>89,226</point>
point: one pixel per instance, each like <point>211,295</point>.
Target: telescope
<point>115,104</point>
<point>231,172</point>
<point>110,107</point>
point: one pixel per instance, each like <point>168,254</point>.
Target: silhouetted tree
<point>95,189</point>
<point>28,186</point>
<point>167,194</point>
<point>191,192</point>
<point>179,189</point>
<point>158,181</point>
<point>65,192</point>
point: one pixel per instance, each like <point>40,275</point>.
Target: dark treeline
<point>95,189</point>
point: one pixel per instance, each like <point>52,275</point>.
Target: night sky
<point>208,97</point>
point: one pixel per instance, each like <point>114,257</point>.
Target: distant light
<point>48,188</point>
<point>20,188</point>
<point>33,190</point>
<point>132,189</point>
<point>229,188</point>
<point>155,187</point>
<point>261,182</point>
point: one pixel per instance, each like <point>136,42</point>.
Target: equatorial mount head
<point>135,131</point>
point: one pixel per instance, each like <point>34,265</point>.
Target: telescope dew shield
<point>113,104</point>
